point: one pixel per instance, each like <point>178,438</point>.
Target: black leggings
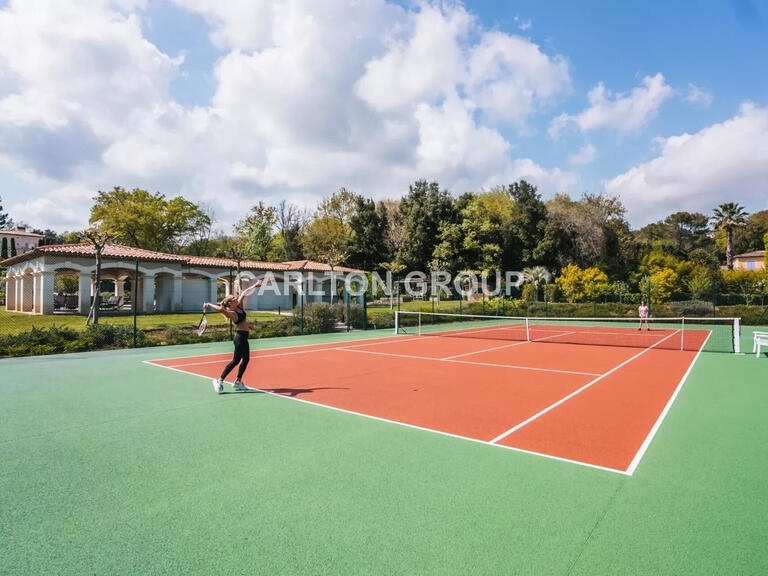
<point>242,355</point>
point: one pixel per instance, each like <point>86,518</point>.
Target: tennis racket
<point>202,326</point>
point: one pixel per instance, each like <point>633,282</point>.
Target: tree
<point>689,230</point>
<point>485,218</point>
<point>98,238</point>
<point>579,229</point>
<point>342,206</point>
<point>327,240</point>
<point>49,237</point>
<point>727,217</point>
<point>595,283</point>
<point>144,220</point>
<point>198,242</point>
<point>537,277</point>
<point>5,220</point>
<point>389,211</point>
<point>578,285</point>
<point>699,283</point>
<point>254,233</point>
<point>750,237</point>
<point>526,225</point>
<point>422,212</point>
<point>745,282</point>
<point>4,250</point>
<point>13,247</point>
<point>287,241</point>
<point>367,248</point>
<point>663,283</point>
<point>394,268</point>
<point>765,247</point>
<point>620,289</point>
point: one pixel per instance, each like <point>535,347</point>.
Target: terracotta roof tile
<point>20,233</point>
<point>112,251</point>
<point>755,254</point>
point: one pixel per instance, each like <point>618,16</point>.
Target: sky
<point>664,104</point>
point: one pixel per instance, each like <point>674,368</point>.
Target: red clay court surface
<point>593,405</point>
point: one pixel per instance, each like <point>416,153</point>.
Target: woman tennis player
<point>642,311</point>
<point>232,308</point>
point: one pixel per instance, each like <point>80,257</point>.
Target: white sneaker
<point>218,385</point>
<point>238,385</point>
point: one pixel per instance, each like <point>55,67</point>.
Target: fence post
<point>714,298</point>
<point>301,311</point>
<point>349,307</point>
<point>231,292</point>
<point>365,311</point>
<point>135,298</point>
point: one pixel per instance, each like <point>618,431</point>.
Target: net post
<point>682,334</point>
<point>527,330</point>
<point>737,335</point>
<point>397,322</point>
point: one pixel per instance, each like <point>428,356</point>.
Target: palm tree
<point>537,276</point>
<point>727,217</point>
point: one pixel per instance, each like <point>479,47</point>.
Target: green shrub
<point>319,317</point>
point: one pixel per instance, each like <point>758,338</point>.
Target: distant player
<point>642,311</point>
<point>232,308</point>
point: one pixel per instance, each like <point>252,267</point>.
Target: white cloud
<point>422,66</point>
<point>509,77</point>
<point>622,112</point>
<point>586,155</point>
<point>696,172</point>
<point>308,97</point>
<point>697,95</point>
<point>523,24</point>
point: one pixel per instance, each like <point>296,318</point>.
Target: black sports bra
<point>240,316</point>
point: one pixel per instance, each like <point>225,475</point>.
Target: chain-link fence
<point>55,303</point>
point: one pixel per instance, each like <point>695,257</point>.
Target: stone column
<point>45,292</point>
<point>27,293</point>
<point>120,286</point>
<point>84,294</point>
<point>213,291</point>
<point>10,294</point>
<point>176,293</point>
<point>148,293</point>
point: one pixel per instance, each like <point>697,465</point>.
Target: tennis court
<point>592,394</point>
<point>456,446</point>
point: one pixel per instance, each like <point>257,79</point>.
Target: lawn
<point>15,322</point>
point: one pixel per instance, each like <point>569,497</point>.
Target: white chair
<point>760,339</point>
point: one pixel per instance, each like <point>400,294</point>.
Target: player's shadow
<point>293,392</point>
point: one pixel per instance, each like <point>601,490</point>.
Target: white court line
<point>575,392</point>
<point>381,340</point>
<point>647,442</point>
<point>504,346</point>
<point>406,425</point>
<point>514,367</point>
<point>256,355</point>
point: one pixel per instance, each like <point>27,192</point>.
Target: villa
<point>749,260</point>
<point>60,279</point>
<point>19,237</point>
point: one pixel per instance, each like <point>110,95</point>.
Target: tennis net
<point>711,334</point>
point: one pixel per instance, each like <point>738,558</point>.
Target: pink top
<point>643,311</point>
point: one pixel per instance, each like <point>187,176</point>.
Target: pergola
<point>159,281</point>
